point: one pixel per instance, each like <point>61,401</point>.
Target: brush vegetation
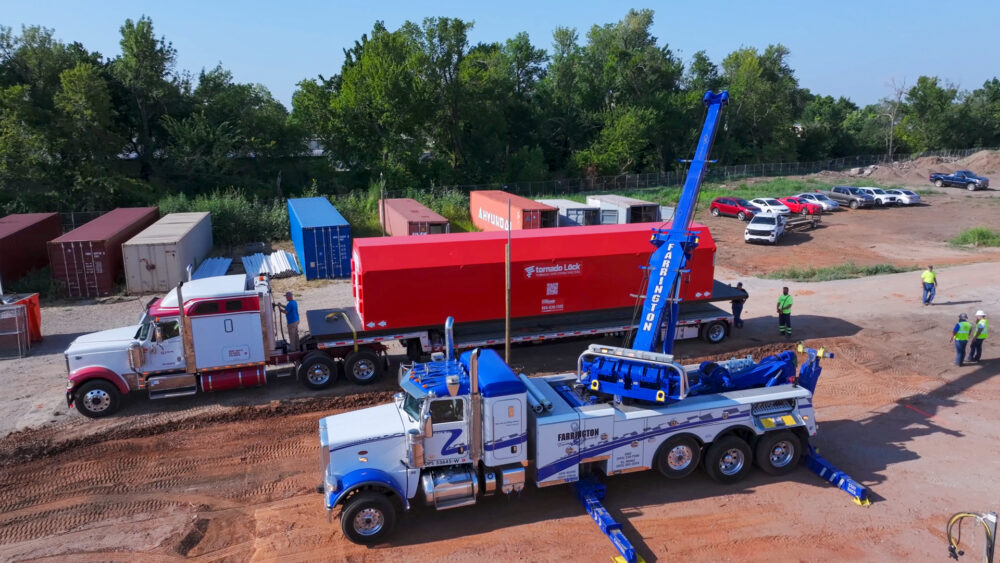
<point>840,272</point>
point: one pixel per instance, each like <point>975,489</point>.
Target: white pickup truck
<point>765,227</point>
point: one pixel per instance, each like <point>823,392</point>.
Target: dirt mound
<point>982,162</point>
<point>32,444</point>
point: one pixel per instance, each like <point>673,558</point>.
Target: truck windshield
<point>758,220</point>
<point>411,405</point>
<point>143,331</point>
<point>879,191</point>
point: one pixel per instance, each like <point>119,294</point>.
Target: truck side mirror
<point>428,426</point>
<point>157,333</point>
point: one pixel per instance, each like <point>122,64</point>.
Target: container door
<point>609,216</point>
<point>507,440</point>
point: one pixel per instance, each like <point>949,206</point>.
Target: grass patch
<point>841,272</point>
<point>977,236</point>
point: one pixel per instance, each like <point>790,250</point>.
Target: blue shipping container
<point>322,238</point>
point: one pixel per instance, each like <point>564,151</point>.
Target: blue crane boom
<point>675,245</point>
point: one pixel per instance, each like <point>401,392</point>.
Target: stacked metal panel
<point>158,258</point>
<point>278,264</point>
<point>212,267</point>
<point>322,238</point>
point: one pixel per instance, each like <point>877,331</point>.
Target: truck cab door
<point>449,443</point>
<point>165,349</point>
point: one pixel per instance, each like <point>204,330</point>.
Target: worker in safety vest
<point>785,313</point>
<point>960,336</point>
<point>979,333</point>
<point>929,278</point>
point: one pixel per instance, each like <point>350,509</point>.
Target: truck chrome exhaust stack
<point>476,400</point>
<point>449,338</point>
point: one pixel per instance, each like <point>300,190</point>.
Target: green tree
<point>929,116</point>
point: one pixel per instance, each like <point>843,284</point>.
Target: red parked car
<point>801,206</point>
<point>735,206</point>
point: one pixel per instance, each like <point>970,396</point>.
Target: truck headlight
<point>331,483</point>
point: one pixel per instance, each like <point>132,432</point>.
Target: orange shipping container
<point>489,212</point>
<point>405,216</point>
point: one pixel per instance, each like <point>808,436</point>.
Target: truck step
<point>174,393</point>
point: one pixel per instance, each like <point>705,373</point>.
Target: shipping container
<point>573,213</point>
<point>419,281</point>
<point>322,238</point>
<point>489,212</point>
<point>22,243</point>
<point>87,261</point>
<point>404,216</point>
<point>621,210</point>
<point>158,258</point>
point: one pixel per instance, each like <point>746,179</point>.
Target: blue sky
<point>842,48</point>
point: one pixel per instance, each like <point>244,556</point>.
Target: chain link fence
<point>73,219</point>
<point>623,182</point>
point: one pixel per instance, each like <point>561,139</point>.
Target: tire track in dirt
<point>61,520</point>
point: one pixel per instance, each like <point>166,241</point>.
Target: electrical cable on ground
<point>989,522</point>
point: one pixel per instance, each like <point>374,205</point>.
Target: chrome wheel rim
<point>363,370</point>
<point>97,400</point>
<point>782,453</point>
<point>680,457</point>
<point>369,522</point>
<point>716,333</point>
<point>732,462</point>
<point>318,374</point>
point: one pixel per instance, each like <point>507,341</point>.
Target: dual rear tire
<point>319,371</point>
<point>729,459</point>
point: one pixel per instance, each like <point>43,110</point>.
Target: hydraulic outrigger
<point>641,373</point>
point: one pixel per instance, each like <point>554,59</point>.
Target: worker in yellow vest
<point>960,336</point>
<point>979,333</point>
<point>929,278</point>
<point>785,313</point>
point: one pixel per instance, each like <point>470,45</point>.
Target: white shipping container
<point>156,259</point>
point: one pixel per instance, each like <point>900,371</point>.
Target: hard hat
<point>980,313</point>
<point>962,316</point>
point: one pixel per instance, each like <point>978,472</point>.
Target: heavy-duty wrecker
<point>467,427</point>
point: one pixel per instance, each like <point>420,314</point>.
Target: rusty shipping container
<point>405,216</point>
<point>87,261</point>
<point>22,242</point>
<point>157,259</point>
<point>412,282</point>
<point>489,212</point>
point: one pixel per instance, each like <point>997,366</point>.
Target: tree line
<point>422,106</point>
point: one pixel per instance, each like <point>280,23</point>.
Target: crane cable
<point>953,542</point>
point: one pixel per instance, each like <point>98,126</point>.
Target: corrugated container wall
<point>322,238</point>
<point>87,261</point>
<point>420,281</point>
<point>620,210</point>
<point>405,216</point>
<point>22,243</point>
<point>489,212</point>
<point>156,259</point>
<point>573,213</point>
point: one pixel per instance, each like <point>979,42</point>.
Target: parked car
<point>765,227</point>
<point>819,199</point>
<point>771,205</point>
<point>882,199</point>
<point>960,179</point>
<point>904,197</point>
<point>801,206</point>
<point>733,206</point>
<point>849,196</point>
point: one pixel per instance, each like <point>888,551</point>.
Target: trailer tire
<point>714,332</point>
<point>778,452</point>
<point>97,398</point>
<point>939,183</point>
<point>678,457</point>
<point>368,518</point>
<point>317,370</point>
<point>362,367</point>
<point>728,460</point>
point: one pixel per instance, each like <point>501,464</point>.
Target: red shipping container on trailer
<point>419,281</point>
<point>405,216</point>
<point>22,242</point>
<point>489,212</point>
<point>87,261</point>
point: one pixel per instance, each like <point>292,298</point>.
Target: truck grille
<point>758,233</point>
<point>772,407</point>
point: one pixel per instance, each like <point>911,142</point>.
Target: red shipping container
<point>405,216</point>
<point>22,242</point>
<point>87,261</point>
<point>489,212</point>
<point>419,281</point>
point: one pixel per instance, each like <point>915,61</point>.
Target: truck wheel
<point>714,332</point>
<point>678,457</point>
<point>97,398</point>
<point>362,367</point>
<point>970,186</point>
<point>317,370</point>
<point>728,460</point>
<point>368,518</point>
<point>854,204</point>
<point>939,183</point>
<point>742,216</point>
<point>778,452</point>
<point>715,212</point>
